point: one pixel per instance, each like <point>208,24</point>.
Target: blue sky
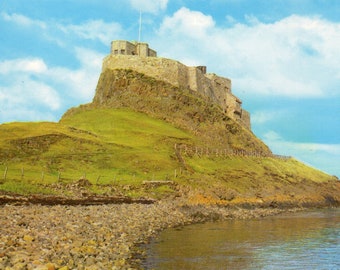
<point>281,55</point>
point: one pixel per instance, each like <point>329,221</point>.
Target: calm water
<point>305,240</point>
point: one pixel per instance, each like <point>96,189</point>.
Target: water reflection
<point>309,240</point>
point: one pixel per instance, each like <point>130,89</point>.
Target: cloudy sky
<point>282,56</point>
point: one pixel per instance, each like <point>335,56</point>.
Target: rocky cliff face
<point>119,88</point>
<point>210,86</point>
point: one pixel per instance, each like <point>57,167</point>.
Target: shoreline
<point>108,236</point>
<point>197,214</point>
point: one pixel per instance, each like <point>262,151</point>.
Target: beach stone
<point>28,238</point>
<point>50,266</point>
<point>19,266</point>
<point>86,237</point>
<point>77,243</point>
<point>90,261</point>
<point>3,263</point>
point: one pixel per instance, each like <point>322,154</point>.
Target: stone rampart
<point>167,70</point>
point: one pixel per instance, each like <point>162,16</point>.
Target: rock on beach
<point>91,237</point>
<point>78,237</point>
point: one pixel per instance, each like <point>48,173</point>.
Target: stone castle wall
<point>167,70</point>
<point>217,89</point>
<point>123,47</point>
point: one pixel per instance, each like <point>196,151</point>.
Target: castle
<point>139,57</point>
<point>123,47</point>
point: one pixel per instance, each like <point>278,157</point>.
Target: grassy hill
<point>139,129</point>
<point>121,145</point>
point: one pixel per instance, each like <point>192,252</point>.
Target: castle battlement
<point>123,47</point>
<point>139,57</point>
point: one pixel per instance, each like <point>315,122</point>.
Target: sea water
<point>302,240</point>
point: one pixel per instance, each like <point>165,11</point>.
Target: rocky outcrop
<point>124,88</point>
<point>214,88</point>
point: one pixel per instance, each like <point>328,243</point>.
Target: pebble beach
<point>94,237</point>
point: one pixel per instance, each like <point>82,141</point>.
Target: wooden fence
<point>190,151</point>
<point>182,150</point>
<point>22,173</point>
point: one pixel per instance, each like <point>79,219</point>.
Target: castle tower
<point>123,47</point>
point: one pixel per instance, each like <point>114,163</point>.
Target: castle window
<point>116,52</point>
<point>122,51</point>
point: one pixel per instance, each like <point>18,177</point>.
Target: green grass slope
<point>118,149</point>
<point>151,131</point>
<point>105,145</point>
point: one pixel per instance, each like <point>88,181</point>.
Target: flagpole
<point>140,25</point>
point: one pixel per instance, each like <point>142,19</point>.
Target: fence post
<point>22,173</point>
<point>42,176</point>
<point>97,181</point>
<point>175,173</point>
<point>5,173</point>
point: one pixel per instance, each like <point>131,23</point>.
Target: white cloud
<point>22,20</point>
<point>29,113</point>
<point>280,143</point>
<point>18,75</point>
<point>272,136</point>
<point>61,33</point>
<point>93,30</point>
<point>80,83</point>
<point>26,93</point>
<point>186,22</point>
<point>322,156</point>
<point>32,65</point>
<point>30,88</point>
<point>264,116</point>
<point>150,6</point>
<point>294,57</point>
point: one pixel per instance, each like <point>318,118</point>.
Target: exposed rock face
<point>126,88</point>
<point>217,89</point>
